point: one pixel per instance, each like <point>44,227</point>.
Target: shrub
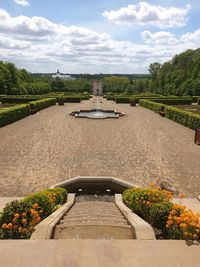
<point>185,118</point>
<point>198,102</point>
<point>156,107</point>
<point>19,99</point>
<point>18,218</point>
<point>70,99</point>
<point>173,101</point>
<point>183,224</point>
<point>42,104</point>
<point>195,99</point>
<point>13,114</point>
<point>122,100</point>
<point>159,213</point>
<point>141,200</point>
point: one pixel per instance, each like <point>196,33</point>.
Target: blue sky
<point>91,36</point>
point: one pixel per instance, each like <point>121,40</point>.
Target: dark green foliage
<point>13,114</point>
<point>19,218</point>
<point>71,99</point>
<point>19,99</point>
<point>173,101</point>
<point>185,118</point>
<point>123,100</point>
<point>42,104</point>
<point>159,215</point>
<point>156,107</point>
<point>198,101</point>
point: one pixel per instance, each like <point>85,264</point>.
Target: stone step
<point>94,212</point>
<point>91,231</point>
<point>86,215</point>
<point>94,220</point>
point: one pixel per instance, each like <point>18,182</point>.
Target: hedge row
<point>70,99</point>
<point>183,117</point>
<point>195,99</point>
<point>198,102</point>
<point>173,101</point>
<point>19,99</point>
<point>13,114</point>
<point>156,107</point>
<point>19,218</point>
<point>42,104</point>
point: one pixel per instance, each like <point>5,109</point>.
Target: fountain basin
<point>97,114</point>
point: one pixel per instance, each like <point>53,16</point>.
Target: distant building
<point>62,76</point>
<point>97,88</point>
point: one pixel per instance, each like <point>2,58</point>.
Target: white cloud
<point>146,14</point>
<point>43,46</point>
<point>162,37</point>
<point>22,2</point>
<point>191,37</point>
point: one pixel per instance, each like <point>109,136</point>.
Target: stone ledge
<point>98,253</point>
<point>45,229</point>
<point>143,231</point>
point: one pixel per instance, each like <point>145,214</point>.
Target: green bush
<point>185,118</point>
<point>18,218</point>
<point>122,100</point>
<point>198,102</point>
<point>19,99</point>
<point>173,101</point>
<point>13,114</point>
<point>156,107</point>
<point>70,99</point>
<point>42,104</point>
<point>159,215</point>
<point>195,99</point>
<point>141,200</point>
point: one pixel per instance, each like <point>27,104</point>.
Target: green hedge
<point>173,101</point>
<point>185,118</point>
<point>19,99</point>
<point>13,114</point>
<point>156,107</point>
<point>122,100</point>
<point>42,104</point>
<point>70,99</point>
<point>195,99</point>
<point>19,218</point>
<point>198,102</point>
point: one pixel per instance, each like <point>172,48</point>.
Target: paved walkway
<point>141,147</point>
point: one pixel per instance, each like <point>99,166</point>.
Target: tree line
<point>179,76</point>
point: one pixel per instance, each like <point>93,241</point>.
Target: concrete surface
<point>98,253</point>
<point>190,203</point>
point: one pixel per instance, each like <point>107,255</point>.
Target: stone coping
<point>98,253</point>
<point>45,229</point>
<point>95,179</point>
<point>142,230</point>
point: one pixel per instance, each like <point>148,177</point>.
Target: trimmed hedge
<point>70,99</point>
<point>19,99</point>
<point>13,114</point>
<point>198,102</point>
<point>195,99</point>
<point>122,100</point>
<point>19,218</point>
<point>173,101</point>
<point>183,117</point>
<point>156,107</point>
<point>42,104</point>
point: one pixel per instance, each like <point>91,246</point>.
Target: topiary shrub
<point>18,218</point>
<point>13,114</point>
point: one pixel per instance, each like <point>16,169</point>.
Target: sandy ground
<point>141,147</point>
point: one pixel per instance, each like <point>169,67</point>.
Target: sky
<point>89,36</point>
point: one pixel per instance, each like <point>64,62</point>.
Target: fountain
<point>97,113</point>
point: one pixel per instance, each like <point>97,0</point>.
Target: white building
<point>62,76</point>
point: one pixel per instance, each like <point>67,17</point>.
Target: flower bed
<point>171,221</point>
<point>19,218</point>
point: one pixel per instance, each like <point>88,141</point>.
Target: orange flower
<point>16,215</point>
<point>183,225</point>
<point>24,214</point>
<point>181,195</point>
<point>9,226</point>
<point>36,206</point>
<point>24,221</point>
<point>4,226</point>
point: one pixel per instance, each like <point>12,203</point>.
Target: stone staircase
<point>93,220</point>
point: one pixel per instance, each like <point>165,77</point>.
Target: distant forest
<point>179,76</point>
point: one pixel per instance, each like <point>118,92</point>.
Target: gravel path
<point>141,147</point>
